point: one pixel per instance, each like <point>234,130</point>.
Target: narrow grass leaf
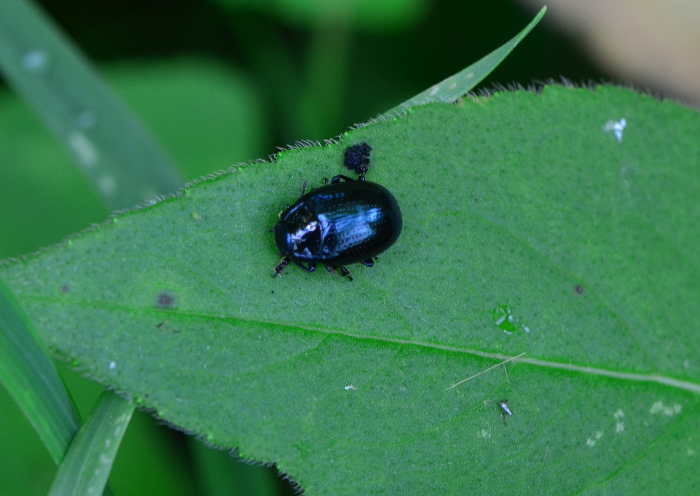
<point>89,460</point>
<point>458,85</point>
<point>30,377</point>
<point>113,149</point>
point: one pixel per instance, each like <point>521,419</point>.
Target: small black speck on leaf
<point>163,327</point>
<point>579,289</point>
<point>65,288</point>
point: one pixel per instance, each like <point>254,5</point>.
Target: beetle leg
<point>333,269</point>
<point>337,178</point>
<point>345,272</point>
<point>280,267</point>
<point>369,262</point>
<point>310,268</point>
<point>303,190</point>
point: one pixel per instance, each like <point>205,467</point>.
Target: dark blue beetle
<point>338,224</point>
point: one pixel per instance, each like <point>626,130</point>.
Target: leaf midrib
<point>627,376</point>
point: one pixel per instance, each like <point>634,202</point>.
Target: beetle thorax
<point>306,241</point>
<point>299,234</point>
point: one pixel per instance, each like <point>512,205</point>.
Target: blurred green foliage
<point>222,82</point>
<point>356,14</point>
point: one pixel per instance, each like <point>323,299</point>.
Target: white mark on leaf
<point>616,127</point>
<point>668,410</point>
<point>594,439</point>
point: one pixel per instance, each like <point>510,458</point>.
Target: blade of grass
<point>28,374</point>
<point>89,460</point>
<point>465,80</point>
<point>110,145</point>
<point>30,377</point>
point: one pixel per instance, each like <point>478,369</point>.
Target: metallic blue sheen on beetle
<point>338,224</point>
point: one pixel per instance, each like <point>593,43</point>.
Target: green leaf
<point>89,460</point>
<point>458,85</point>
<point>110,145</point>
<point>529,227</point>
